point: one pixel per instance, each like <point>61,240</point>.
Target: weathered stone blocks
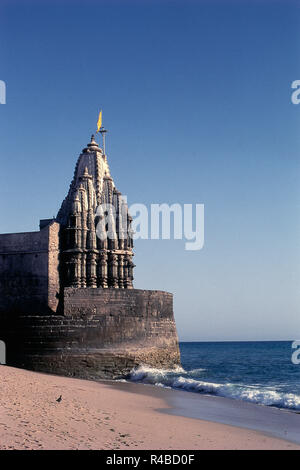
<point>104,334</point>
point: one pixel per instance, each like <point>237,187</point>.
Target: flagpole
<point>103,132</point>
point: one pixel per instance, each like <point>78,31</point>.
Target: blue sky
<point>196,98</point>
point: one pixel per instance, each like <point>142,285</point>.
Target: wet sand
<point>112,416</point>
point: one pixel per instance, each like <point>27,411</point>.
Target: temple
<point>91,259</point>
<point>67,301</point>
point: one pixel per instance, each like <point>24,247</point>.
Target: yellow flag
<point>99,123</point>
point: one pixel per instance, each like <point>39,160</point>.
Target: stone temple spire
<point>88,260</point>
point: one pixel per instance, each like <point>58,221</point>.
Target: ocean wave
<point>180,379</point>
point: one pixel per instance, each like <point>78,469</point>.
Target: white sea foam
<point>180,379</point>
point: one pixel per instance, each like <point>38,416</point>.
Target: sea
<point>256,372</point>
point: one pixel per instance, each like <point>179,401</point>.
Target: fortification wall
<point>105,333</point>
<point>29,281</point>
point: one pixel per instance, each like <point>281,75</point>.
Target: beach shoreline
<point>121,415</point>
<point>275,422</point>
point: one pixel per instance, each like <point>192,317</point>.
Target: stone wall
<point>127,316</point>
<point>105,333</point>
<point>53,266</point>
<point>29,280</point>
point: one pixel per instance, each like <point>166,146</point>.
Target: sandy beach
<point>106,416</point>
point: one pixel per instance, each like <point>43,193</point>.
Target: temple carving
<point>96,236</point>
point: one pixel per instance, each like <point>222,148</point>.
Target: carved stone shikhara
<point>88,260</point>
<point>67,303</point>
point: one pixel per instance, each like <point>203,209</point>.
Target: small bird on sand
<point>59,399</point>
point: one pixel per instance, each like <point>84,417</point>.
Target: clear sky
<point>196,98</point>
